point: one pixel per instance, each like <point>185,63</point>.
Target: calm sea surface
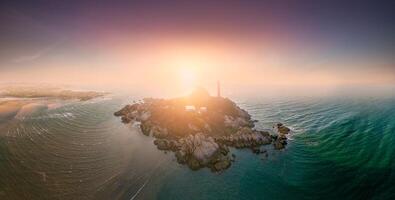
<point>341,149</point>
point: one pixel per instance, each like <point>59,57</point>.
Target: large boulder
<point>199,146</point>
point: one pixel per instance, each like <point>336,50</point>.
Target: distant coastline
<point>21,101</point>
<point>47,92</point>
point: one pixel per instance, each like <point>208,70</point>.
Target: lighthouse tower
<point>218,89</point>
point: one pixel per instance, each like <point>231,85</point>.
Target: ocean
<point>340,148</point>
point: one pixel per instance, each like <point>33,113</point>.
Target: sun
<point>187,74</point>
<point>188,77</point>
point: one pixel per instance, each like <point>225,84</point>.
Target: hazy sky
<point>169,46</point>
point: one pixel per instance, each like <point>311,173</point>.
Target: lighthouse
<point>218,89</point>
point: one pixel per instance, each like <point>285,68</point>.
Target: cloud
<point>36,55</point>
<point>28,58</point>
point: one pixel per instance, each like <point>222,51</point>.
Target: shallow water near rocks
<point>340,148</point>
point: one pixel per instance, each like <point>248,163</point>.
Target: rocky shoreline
<point>200,129</point>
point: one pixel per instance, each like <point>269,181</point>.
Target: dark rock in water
<point>233,158</point>
<point>200,137</point>
<point>280,143</point>
<point>222,164</point>
<point>264,155</point>
<point>281,139</point>
<point>256,150</point>
<point>281,128</point>
<point>193,163</point>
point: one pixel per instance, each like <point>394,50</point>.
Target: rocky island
<point>201,128</point>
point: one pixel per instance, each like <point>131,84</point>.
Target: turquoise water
<point>342,148</point>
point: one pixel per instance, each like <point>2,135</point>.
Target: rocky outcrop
<point>281,138</point>
<point>198,151</point>
<point>246,138</point>
<point>230,121</point>
<point>281,129</point>
<point>201,139</point>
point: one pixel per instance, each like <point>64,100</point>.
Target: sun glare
<point>188,75</point>
<point>188,78</point>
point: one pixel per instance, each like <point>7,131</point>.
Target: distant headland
<point>19,101</point>
<point>200,128</point>
<point>47,92</point>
